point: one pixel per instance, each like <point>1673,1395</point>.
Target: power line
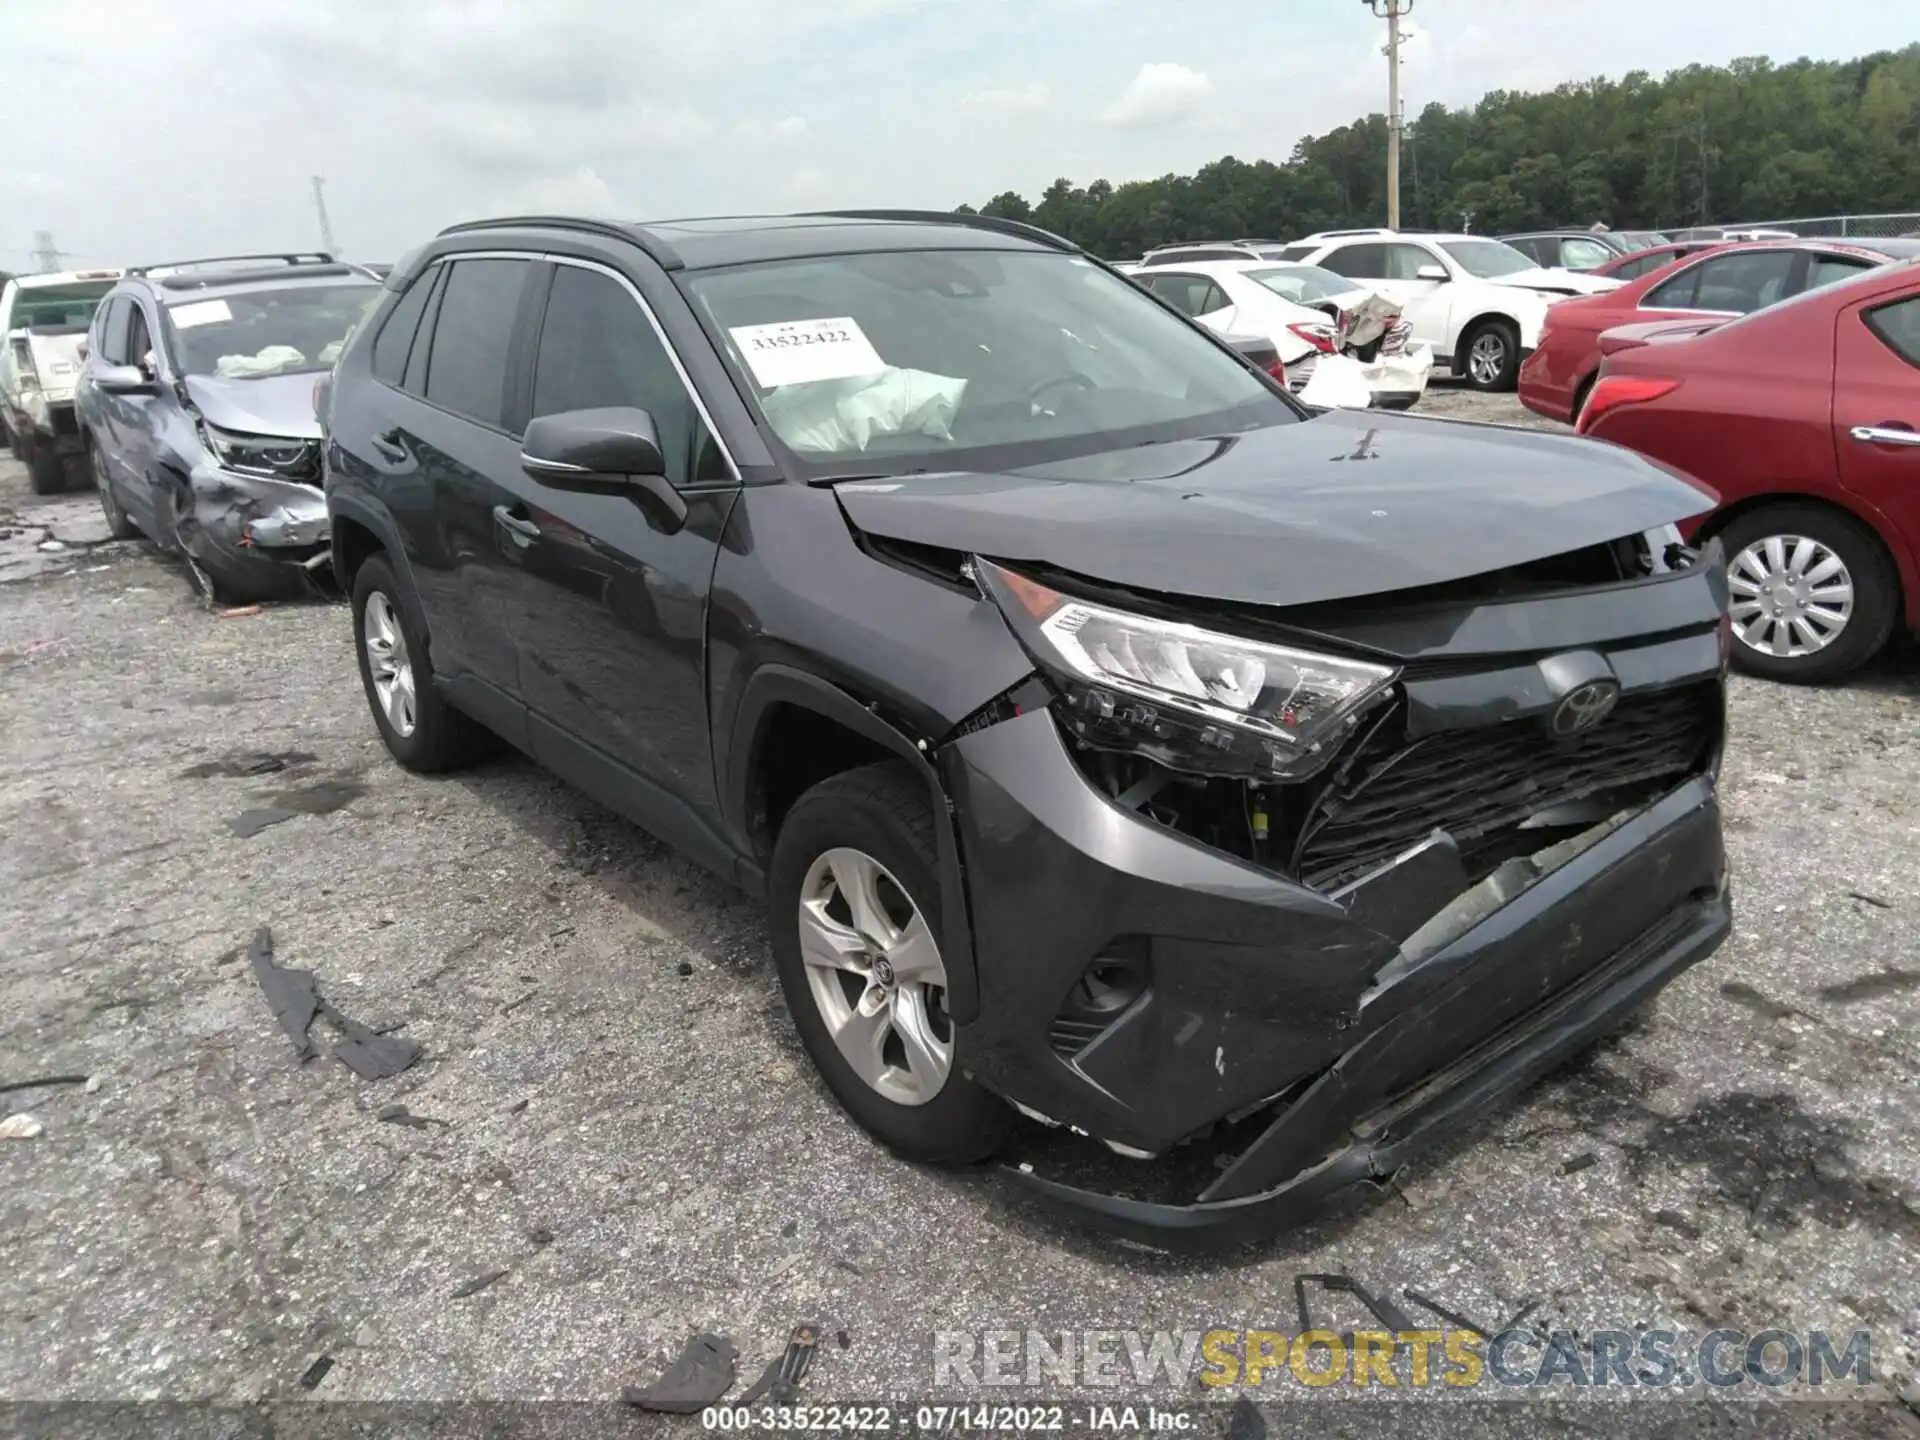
<point>1391,11</point>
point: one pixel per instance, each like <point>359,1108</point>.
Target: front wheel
<point>1812,593</point>
<point>421,730</point>
<point>46,469</point>
<point>855,901</point>
<point>1493,356</point>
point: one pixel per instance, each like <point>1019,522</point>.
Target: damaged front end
<point>1266,899</point>
<point>255,517</point>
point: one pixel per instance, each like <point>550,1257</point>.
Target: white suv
<point>1478,302</point>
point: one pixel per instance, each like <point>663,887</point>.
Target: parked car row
<point>1476,304</point>
<point>43,318</point>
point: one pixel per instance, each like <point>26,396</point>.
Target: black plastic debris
<point>542,1236</point>
<point>316,1372</point>
<point>1381,1307</point>
<point>1586,1160</point>
<point>1870,899</point>
<point>296,1001</point>
<point>250,822</point>
<point>8,1087</point>
<point>478,1283</point>
<point>703,1373</point>
<point>781,1379</point>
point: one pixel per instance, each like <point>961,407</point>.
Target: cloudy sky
<point>142,129</point>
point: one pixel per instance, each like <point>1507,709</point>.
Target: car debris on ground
<point>296,1001</point>
<point>702,1374</point>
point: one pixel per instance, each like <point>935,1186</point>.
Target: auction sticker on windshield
<point>200,312</point>
<point>793,352</point>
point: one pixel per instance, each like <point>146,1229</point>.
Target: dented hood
<point>1566,282</point>
<point>274,405</point>
<point>1351,503</point>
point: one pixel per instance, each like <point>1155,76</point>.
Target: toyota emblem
<point>1580,710</point>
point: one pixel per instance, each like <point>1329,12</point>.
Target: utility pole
<point>320,204</point>
<point>46,255</point>
<point>1391,11</point>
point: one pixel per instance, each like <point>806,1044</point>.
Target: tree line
<point>1708,144</point>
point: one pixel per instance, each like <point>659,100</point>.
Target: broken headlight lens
<point>1191,698</point>
<point>265,455</point>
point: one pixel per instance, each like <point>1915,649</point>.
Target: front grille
<point>1478,785</point>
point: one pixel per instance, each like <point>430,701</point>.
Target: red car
<point>1723,280</point>
<point>1805,418</point>
<point>1655,257</point>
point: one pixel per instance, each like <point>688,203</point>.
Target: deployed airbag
<point>841,415</point>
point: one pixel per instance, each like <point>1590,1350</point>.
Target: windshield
<point>1303,284</point>
<point>282,331</point>
<point>52,307</point>
<point>925,355</point>
<point>1487,259</point>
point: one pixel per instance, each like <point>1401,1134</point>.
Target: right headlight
<point>1194,699</point>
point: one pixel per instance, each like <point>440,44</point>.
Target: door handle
<point>523,530</point>
<point>1885,435</point>
<point>391,447</point>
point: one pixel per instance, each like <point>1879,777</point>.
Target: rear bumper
<point>1327,1025</point>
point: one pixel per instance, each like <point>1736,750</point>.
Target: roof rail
<point>1017,228</point>
<point>284,257</point>
<point>213,279</point>
<point>662,253</point>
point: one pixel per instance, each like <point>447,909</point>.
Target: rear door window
<point>1358,262</point>
<point>1831,269</point>
<point>1404,261</point>
<point>1738,284</point>
<point>1189,294</point>
<point>473,338</point>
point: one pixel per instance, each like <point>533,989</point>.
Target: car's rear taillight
<point>1319,336</point>
<point>1610,392</point>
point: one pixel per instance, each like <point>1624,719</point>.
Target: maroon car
<point>1804,417</point>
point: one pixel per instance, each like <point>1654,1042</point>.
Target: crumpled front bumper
<point>256,533</point>
<point>1281,1012</point>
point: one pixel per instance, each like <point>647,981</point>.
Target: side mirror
<point>124,380</point>
<point>1432,272</point>
<point>612,451</point>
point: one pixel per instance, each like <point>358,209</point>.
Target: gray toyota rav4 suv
<point>1118,747</point>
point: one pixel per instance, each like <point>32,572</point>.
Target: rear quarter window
<point>1897,326</point>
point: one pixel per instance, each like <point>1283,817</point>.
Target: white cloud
<point>1008,100</point>
<point>776,132</point>
<point>580,191</point>
<point>807,189</point>
<point>1161,94</point>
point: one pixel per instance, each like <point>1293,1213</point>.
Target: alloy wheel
<point>1487,357</point>
<point>1791,596</point>
<point>874,969</point>
<point>388,663</point>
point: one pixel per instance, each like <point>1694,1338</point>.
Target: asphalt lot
<point>621,1121</point>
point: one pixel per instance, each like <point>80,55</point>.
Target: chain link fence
<point>1871,227</point>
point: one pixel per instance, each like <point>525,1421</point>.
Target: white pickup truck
<point>45,319</point>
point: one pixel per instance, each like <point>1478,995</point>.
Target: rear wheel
<point>1812,592</point>
<point>1580,398</point>
<point>855,921</point>
<point>46,469</point>
<point>421,730</point>
<point>1492,350</point>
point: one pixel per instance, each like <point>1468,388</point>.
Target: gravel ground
<point>619,1128</point>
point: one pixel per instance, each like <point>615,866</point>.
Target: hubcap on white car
<point>1487,357</point>
<point>875,972</point>
<point>1791,596</point>
<point>388,664</point>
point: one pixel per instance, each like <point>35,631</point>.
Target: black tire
<point>1580,398</point>
<point>1876,591</point>
<point>442,738</point>
<point>118,525</point>
<point>882,810</point>
<point>46,470</point>
<point>1507,375</point>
